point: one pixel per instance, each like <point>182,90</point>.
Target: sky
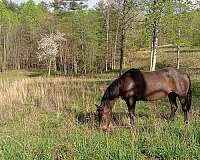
<point>91,3</point>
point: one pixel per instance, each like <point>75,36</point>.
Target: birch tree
<point>107,15</point>
<point>155,10</point>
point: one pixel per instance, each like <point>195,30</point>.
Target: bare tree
<point>129,14</point>
<point>107,30</point>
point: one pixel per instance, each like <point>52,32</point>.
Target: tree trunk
<point>4,55</point>
<point>1,54</point>
<point>122,49</point>
<point>17,54</point>
<point>75,66</point>
<point>107,35</point>
<point>49,72</point>
<point>178,49</point>
<point>178,56</point>
<point>55,65</point>
<point>154,45</point>
<point>7,50</point>
<point>65,65</point>
<point>122,39</point>
<point>179,37</point>
<point>115,46</point>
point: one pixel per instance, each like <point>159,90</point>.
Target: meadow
<point>55,118</point>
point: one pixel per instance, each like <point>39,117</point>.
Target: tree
<point>31,18</point>
<point>48,48</point>
<point>107,17</point>
<point>8,24</point>
<point>177,24</point>
<point>155,11</point>
<point>128,13</point>
<point>97,40</point>
<point>120,18</point>
<point>195,23</point>
<point>68,5</point>
<point>10,5</point>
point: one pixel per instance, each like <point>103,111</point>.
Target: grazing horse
<point>136,85</point>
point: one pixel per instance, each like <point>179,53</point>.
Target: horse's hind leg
<point>184,101</point>
<point>172,100</point>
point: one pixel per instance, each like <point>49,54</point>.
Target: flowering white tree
<point>48,48</point>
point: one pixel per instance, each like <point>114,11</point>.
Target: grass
<point>55,118</point>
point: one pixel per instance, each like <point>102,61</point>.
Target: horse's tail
<point>189,95</point>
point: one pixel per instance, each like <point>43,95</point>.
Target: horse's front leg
<point>172,100</point>
<point>131,109</point>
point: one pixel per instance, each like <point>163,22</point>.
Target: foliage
<point>49,46</point>
<point>90,44</point>
<point>31,14</point>
<point>178,17</point>
<point>61,7</point>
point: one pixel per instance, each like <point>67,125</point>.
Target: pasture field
<point>54,118</point>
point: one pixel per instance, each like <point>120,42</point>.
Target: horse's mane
<point>112,91</point>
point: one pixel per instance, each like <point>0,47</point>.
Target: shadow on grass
<point>119,119</point>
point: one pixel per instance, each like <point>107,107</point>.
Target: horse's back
<point>154,85</point>
<point>175,80</point>
<point>144,85</point>
<point>158,84</point>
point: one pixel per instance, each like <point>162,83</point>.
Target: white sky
<point>91,3</point>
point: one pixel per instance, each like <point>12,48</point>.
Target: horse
<point>136,85</point>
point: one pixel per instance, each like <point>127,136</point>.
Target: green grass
<point>54,139</point>
<point>55,118</point>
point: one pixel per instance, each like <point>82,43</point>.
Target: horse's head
<point>104,114</point>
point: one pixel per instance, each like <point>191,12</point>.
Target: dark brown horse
<point>135,85</point>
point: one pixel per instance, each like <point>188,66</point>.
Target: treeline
<point>97,39</point>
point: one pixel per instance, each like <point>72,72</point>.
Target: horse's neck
<point>110,103</point>
<point>112,92</point>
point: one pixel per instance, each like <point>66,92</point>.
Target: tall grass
<point>55,118</point>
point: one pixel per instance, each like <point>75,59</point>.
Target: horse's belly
<point>155,96</point>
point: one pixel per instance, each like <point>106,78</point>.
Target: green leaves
<point>6,16</point>
<point>63,6</point>
<point>31,14</point>
<point>177,19</point>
